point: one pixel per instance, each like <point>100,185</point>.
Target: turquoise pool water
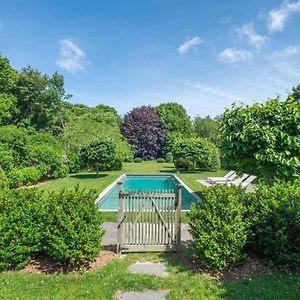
<point>109,201</point>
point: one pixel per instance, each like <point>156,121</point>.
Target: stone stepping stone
<point>157,269</point>
<point>147,295</point>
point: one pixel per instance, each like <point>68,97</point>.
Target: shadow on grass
<point>88,176</point>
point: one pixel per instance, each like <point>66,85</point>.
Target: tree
<point>263,138</point>
<point>40,100</point>
<point>174,118</point>
<point>144,130</point>
<point>296,93</point>
<point>100,154</point>
<point>206,128</point>
<point>195,153</point>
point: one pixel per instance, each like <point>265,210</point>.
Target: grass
<point>90,180</point>
<point>183,283</point>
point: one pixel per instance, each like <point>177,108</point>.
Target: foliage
<point>23,176</point>
<point>100,154</point>
<point>274,214</point>
<point>143,129</point>
<point>3,180</point>
<point>206,128</point>
<point>138,160</point>
<point>196,153</point>
<point>65,225</point>
<point>161,160</point>
<point>39,100</point>
<point>22,221</point>
<point>169,157</point>
<point>263,138</point>
<point>218,229</point>
<point>296,93</point>
<point>72,227</point>
<point>174,118</point>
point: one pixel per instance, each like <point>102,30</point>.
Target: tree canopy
<point>143,129</point>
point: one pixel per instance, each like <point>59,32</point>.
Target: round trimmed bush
<point>73,229</point>
<point>138,160</point>
<point>160,160</point>
<point>169,157</point>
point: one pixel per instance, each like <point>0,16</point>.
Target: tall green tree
<point>206,128</point>
<point>40,100</point>
<point>296,93</point>
<point>174,118</point>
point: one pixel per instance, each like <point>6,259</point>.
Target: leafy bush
<point>169,157</point>
<point>24,176</point>
<point>218,229</point>
<point>73,162</point>
<point>138,160</point>
<point>3,180</point>
<point>22,223</point>
<point>160,160</point>
<point>274,212</point>
<point>100,154</point>
<point>73,226</point>
<point>195,153</point>
<point>263,138</point>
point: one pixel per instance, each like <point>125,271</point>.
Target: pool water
<point>109,201</point>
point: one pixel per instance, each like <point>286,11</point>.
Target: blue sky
<point>203,54</point>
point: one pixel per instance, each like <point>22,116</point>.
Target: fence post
<point>120,217</point>
<point>178,217</point>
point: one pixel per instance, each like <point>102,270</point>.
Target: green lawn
<point>91,180</point>
<point>99,182</point>
<point>183,283</point>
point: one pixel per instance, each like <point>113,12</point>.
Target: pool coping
<point>109,187</point>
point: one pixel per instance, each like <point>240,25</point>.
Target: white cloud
<point>185,47</point>
<point>72,58</point>
<point>231,55</point>
<point>287,52</point>
<point>248,32</point>
<point>277,18</point>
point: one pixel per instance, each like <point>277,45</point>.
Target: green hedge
<point>267,221</point>
<point>218,229</point>
<point>65,225</point>
<point>24,176</point>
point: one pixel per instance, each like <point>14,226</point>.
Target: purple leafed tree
<point>143,129</point>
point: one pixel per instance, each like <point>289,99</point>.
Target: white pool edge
<point>110,186</point>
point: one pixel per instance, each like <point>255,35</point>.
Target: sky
<point>203,54</point>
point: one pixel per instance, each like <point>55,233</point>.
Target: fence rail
<point>149,220</point>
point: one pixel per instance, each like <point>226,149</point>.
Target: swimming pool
<point>108,199</point>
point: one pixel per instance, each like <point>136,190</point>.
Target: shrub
<point>160,160</point>
<point>138,160</point>
<point>218,229</point>
<point>195,153</point>
<point>3,180</point>
<point>73,162</point>
<point>169,157</point>
<point>22,222</point>
<point>100,154</point>
<point>182,163</point>
<point>73,227</point>
<point>274,212</point>
<point>24,176</point>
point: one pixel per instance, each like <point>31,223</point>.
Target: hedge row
<point>266,221</point>
<point>65,225</point>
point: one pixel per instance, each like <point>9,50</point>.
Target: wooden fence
<point>149,220</point>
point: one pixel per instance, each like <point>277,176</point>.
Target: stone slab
<point>149,268</point>
<point>146,295</point>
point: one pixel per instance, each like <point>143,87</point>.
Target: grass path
<point>183,283</point>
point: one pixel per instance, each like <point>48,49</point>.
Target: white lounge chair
<point>246,183</point>
<point>228,177</point>
<point>239,180</point>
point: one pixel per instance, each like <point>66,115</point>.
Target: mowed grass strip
<point>183,283</point>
